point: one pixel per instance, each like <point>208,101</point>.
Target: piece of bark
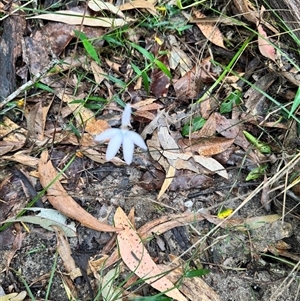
<point>10,51</point>
<point>288,10</point>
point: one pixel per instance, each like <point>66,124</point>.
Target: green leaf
<point>97,98</point>
<point>74,130</point>
<point>44,87</point>
<point>257,172</point>
<point>234,98</point>
<point>136,69</point>
<point>116,81</point>
<point>295,104</point>
<point>261,146</point>
<point>144,76</point>
<point>197,123</point>
<point>196,273</point>
<point>146,82</point>
<point>144,52</point>
<point>90,49</point>
<point>163,68</point>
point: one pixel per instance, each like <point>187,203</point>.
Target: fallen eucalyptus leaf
<point>47,218</point>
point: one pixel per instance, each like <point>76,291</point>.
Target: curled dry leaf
<point>138,260</point>
<point>64,250</point>
<point>61,201</point>
<point>264,45</point>
<point>168,180</point>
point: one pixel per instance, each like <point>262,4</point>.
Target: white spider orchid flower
<point>122,136</point>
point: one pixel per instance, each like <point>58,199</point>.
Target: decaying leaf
<point>168,180</point>
<point>75,18</point>
<point>139,4</point>
<point>47,218</point>
<point>207,146</point>
<point>14,137</point>
<point>98,5</point>
<point>255,101</point>
<point>23,158</point>
<point>179,58</point>
<point>210,30</point>
<point>194,288</point>
<point>159,226</point>
<point>61,201</point>
<point>188,86</point>
<point>138,260</point>
<point>228,128</point>
<point>183,180</point>
<point>64,250</point>
<point>36,120</point>
<point>264,45</point>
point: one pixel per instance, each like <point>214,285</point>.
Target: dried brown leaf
<point>179,57</point>
<point>210,31</point>
<point>194,288</point>
<point>208,130</point>
<point>98,5</point>
<point>65,253</point>
<point>139,4</point>
<point>14,137</point>
<point>138,260</point>
<point>23,158</point>
<point>226,127</point>
<point>188,86</point>
<point>159,226</point>
<point>207,146</point>
<point>61,201</point>
<point>36,120</point>
<point>160,82</point>
<point>75,18</point>
<point>168,180</point>
<point>99,73</point>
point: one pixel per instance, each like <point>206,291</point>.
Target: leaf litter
<point>70,118</point>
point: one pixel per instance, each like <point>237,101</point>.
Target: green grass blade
<point>148,55</point>
<point>295,104</point>
<point>90,49</point>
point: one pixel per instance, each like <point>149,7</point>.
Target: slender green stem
<point>227,69</point>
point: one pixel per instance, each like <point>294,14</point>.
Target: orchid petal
<point>128,148</point>
<point>136,139</point>
<point>108,134</point>
<point>114,145</point>
<point>126,116</point>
